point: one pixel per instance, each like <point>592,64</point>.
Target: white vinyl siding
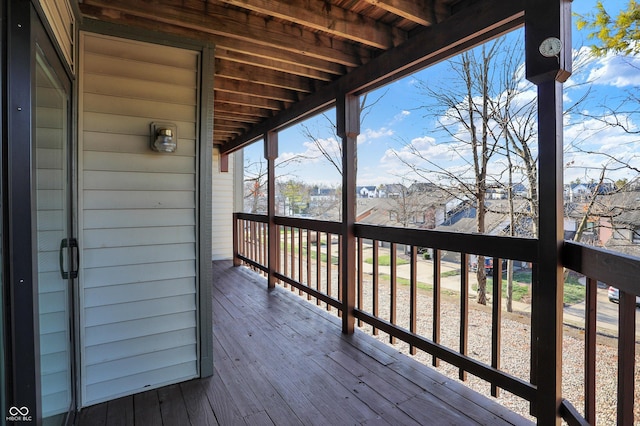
<point>138,218</point>
<point>223,196</point>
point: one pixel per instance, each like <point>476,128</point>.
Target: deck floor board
<point>279,360</point>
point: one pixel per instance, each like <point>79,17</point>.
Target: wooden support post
<point>544,20</point>
<point>348,120</point>
<point>270,154</point>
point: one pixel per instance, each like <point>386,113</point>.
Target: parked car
<point>614,296</point>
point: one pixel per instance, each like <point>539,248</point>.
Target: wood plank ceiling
<point>270,54</point>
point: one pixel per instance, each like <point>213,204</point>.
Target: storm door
<point>57,250</point>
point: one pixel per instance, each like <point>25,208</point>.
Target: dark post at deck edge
<point>270,154</point>
<point>348,120</point>
<point>543,19</point>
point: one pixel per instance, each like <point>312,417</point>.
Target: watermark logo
<point>18,414</point>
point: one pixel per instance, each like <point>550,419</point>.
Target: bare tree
<point>464,113</point>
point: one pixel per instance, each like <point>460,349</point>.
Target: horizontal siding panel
<point>49,138</point>
<point>49,118</point>
<point>116,275</point>
<point>53,322</point>
<point>56,382</point>
<point>131,144</point>
<point>138,328</point>
<point>154,110</point>
<point>96,258</point>
<point>53,302</point>
<point>52,280</point>
<point>50,241</point>
<point>131,69</point>
<point>130,237</point>
<point>122,124</point>
<point>128,164</point>
<point>58,399</point>
<point>57,343</point>
<point>140,345</point>
<point>50,199</point>
<point>141,382</point>
<point>140,218</point>
<point>48,263</point>
<point>124,312</point>
<point>160,92</point>
<point>137,291</point>
<point>141,52</point>
<point>49,158</point>
<point>50,179</point>
<point>138,181</point>
<point>138,199</point>
<point>47,96</point>
<point>108,371</point>
<point>54,342</point>
<point>52,363</point>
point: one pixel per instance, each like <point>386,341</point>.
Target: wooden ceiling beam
<point>322,16</point>
<point>212,18</point>
<point>241,110</point>
<point>224,84</point>
<point>272,64</point>
<point>421,12</point>
<point>233,117</point>
<point>247,99</point>
<point>228,124</point>
<point>465,29</point>
<point>274,53</point>
<point>251,74</point>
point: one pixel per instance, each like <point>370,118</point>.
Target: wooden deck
<point>280,360</point>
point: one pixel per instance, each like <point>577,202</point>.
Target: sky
<point>402,137</point>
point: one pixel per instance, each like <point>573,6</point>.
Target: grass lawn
<point>385,260</point>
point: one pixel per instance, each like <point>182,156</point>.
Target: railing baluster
<point>393,288</point>
<point>535,306</point>
<point>318,266</point>
<point>413,297</point>
<point>496,319</point>
<point>329,236</point>
<point>285,249</point>
<point>626,357</point>
<point>590,318</point>
<point>253,241</point>
<point>360,280</point>
<point>293,256</point>
<point>309,258</point>
<point>300,275</point>
<point>340,277</point>
<point>437,255</point>
<point>376,296</point>
<point>236,240</point>
<point>464,308</point>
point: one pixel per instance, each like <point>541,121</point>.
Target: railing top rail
<point>311,224</point>
<point>615,269</point>
<point>251,216</point>
<point>489,245</point>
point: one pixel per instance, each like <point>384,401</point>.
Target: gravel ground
<point>515,356</point>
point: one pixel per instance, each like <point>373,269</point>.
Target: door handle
<point>69,243</point>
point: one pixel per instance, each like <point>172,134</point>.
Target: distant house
<point>367,192</point>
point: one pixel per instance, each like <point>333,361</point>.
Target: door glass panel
<point>51,142</point>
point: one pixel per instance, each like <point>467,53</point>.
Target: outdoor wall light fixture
<point>164,137</point>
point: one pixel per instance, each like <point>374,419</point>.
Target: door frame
<point>24,29</point>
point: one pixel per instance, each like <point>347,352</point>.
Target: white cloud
<point>616,70</point>
<point>371,134</point>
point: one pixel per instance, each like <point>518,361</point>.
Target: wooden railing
<point>622,272</point>
<point>309,261</point>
